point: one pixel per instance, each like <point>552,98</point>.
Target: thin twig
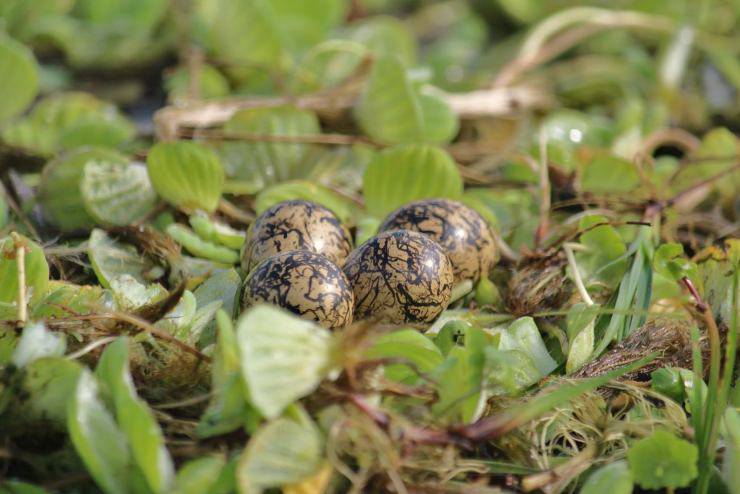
<point>20,260</point>
<point>90,347</point>
<point>567,247</point>
<point>544,223</point>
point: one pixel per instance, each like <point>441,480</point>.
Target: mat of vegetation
<point>154,340</point>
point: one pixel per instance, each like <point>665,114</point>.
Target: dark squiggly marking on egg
<point>305,283</point>
<point>400,277</point>
<point>296,225</point>
<point>460,230</point>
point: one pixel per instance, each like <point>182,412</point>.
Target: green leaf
<point>199,247</point>
<point>111,259</point>
<point>18,487</point>
<point>580,329</point>
<point>662,460</point>
<point>604,259</point>
<point>59,190</point>
<point>210,83</point>
<point>265,32</point>
<point>669,261</point>
<point>523,335</point>
<point>310,191</point>
<point>186,174</point>
<point>282,452</point>
<point>69,120</point>
<point>668,381</point>
<point>614,478</point>
<point>136,420</point>
<point>38,342</point>
<point>384,36</point>
<point>715,154</point>
<point>20,81</point>
<point>327,64</point>
<point>36,269</point>
<point>199,475</point>
<point>405,173</point>
<point>731,463</point>
<point>460,382</point>
<point>393,111</point>
<point>116,193</point>
<point>269,162</point>
<point>406,345</point>
<point>283,357</point>
<point>99,442</point>
<point>47,386</point>
<point>609,175</point>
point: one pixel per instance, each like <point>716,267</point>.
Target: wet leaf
<point>405,173</point>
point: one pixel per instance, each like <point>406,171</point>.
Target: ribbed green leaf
<point>96,437</point>
<point>59,190</point>
<point>20,79</point>
<point>392,110</point>
<point>117,193</point>
<point>186,174</point>
<point>405,173</point>
<point>282,452</point>
<point>283,358</point>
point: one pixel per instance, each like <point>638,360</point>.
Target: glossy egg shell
<point>461,231</point>
<point>296,225</point>
<point>305,283</point>
<point>400,277</point>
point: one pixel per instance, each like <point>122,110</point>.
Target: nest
<point>670,339</point>
<point>539,284</point>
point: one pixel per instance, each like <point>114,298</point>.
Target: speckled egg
<point>296,225</point>
<point>400,277</point>
<point>305,283</point>
<point>460,230</point>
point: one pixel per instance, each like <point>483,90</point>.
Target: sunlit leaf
<point>283,357</point>
<point>523,335</point>
<point>282,452</point>
<point>393,111</point>
<point>402,174</point>
<point>186,174</point>
<point>115,193</point>
<point>100,443</point>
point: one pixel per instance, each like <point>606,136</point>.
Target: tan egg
<point>305,283</point>
<point>461,231</point>
<point>400,277</point>
<point>296,225</point>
